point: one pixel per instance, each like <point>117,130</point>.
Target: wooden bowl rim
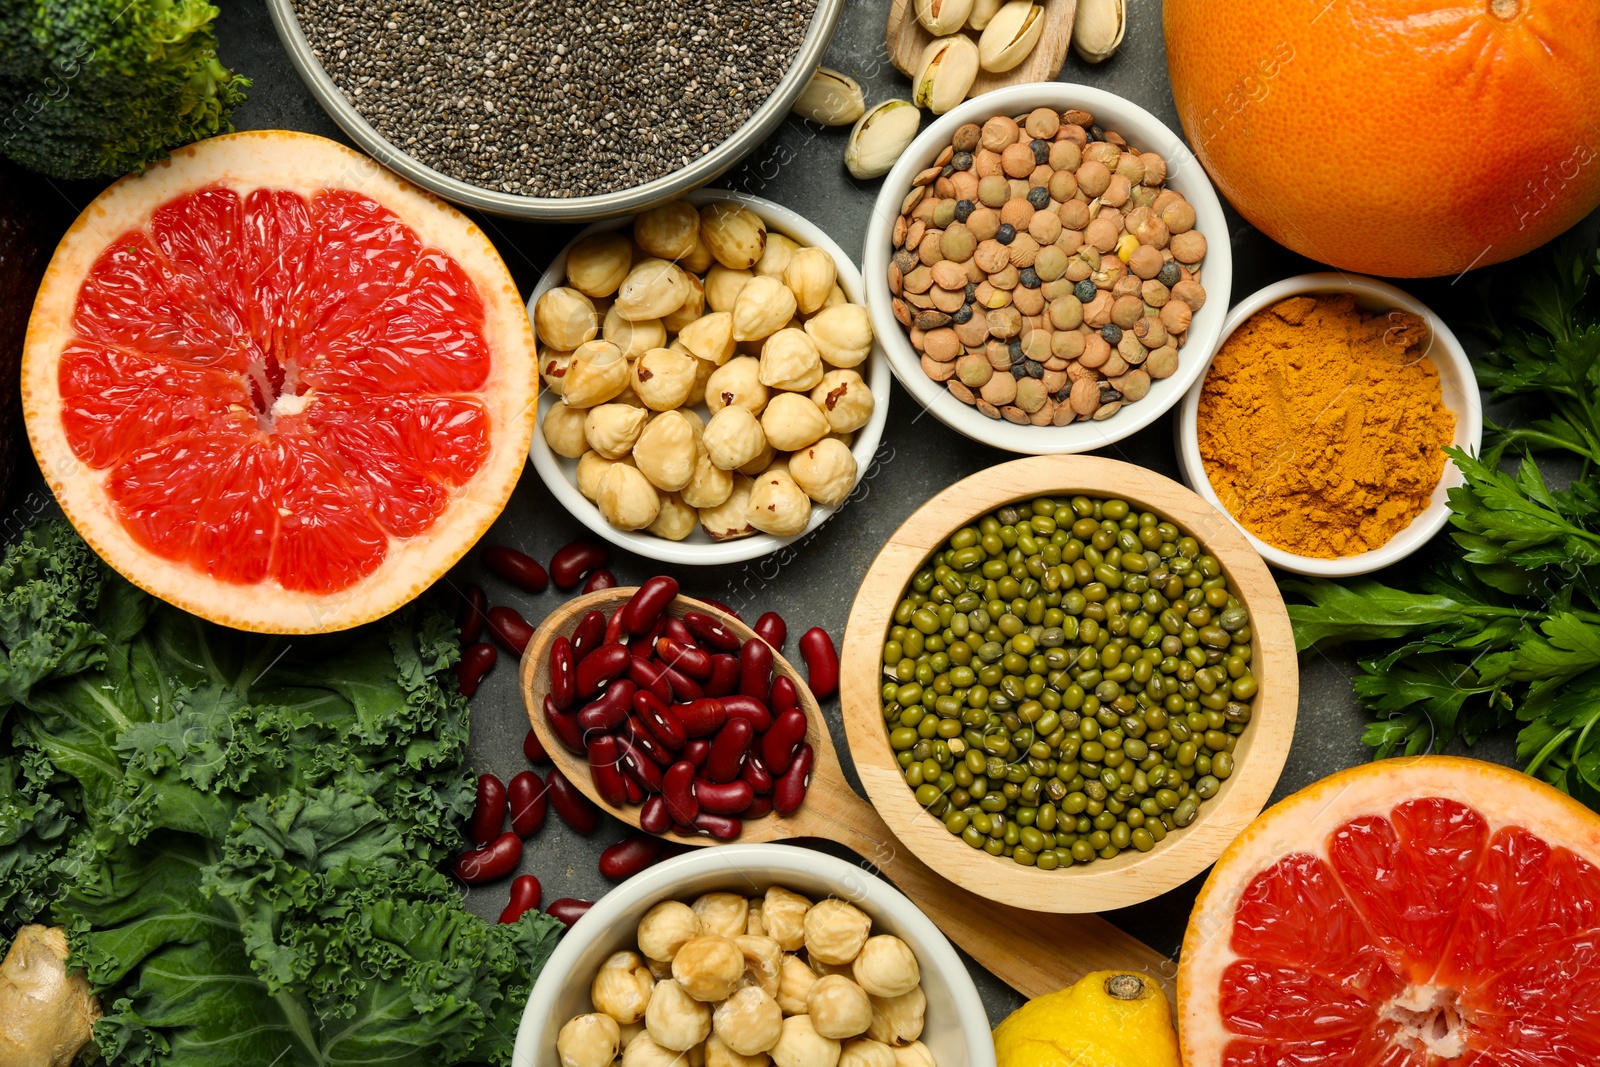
<point>1132,877</point>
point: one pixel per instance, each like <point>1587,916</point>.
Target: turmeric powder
<point>1322,427</point>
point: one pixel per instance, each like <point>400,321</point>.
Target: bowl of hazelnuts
<point>753,954</point>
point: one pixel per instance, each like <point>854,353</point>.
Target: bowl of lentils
<point>1076,698</point>
<point>1043,264</point>
<point>557,111</point>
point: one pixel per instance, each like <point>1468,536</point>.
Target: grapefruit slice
<point>1427,912</point>
<point>275,385</point>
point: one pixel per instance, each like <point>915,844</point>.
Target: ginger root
<point>46,1014</point>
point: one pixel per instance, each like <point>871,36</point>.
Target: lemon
<point>1108,1019</point>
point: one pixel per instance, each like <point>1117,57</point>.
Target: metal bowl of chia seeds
<point>487,108</point>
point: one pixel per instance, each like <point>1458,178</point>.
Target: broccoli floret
<point>103,87</point>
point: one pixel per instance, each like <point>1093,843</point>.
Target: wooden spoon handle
<point>1033,952</point>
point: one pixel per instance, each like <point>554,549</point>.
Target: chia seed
<point>556,100</point>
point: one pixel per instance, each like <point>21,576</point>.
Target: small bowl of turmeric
<point>1319,425</point>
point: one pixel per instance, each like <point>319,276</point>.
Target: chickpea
<point>724,914</point>
<point>674,1019</point>
<point>915,1054</point>
<point>898,1020</point>
<point>801,1046</point>
<point>622,987</point>
<point>762,960</point>
<point>784,913</point>
<point>754,923</point>
<point>588,1041</point>
<point>795,980</point>
<point>643,1051</point>
<point>665,928</point>
<point>838,1007</point>
<point>887,967</point>
<point>748,1022</point>
<point>708,967</point>
<point>835,931</point>
<point>718,1054</point>
<point>865,1052</point>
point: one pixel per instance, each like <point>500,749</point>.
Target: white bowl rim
<point>695,553</point>
<point>1140,127</point>
<point>871,892</point>
<point>1466,405</point>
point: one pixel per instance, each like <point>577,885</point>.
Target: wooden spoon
<point>1032,952</point>
<point>905,38</point>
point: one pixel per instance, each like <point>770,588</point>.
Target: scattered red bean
<point>495,861</point>
<point>701,718</point>
<point>588,635</point>
<point>759,808</point>
<point>694,662</point>
<point>607,711</point>
<point>563,673</point>
<point>721,827</point>
<point>470,621</point>
<point>518,568</point>
<point>789,791</point>
<point>784,695</point>
<point>724,675</point>
<point>663,724</point>
<point>755,669</point>
<point>729,750</point>
<point>629,856</point>
<point>507,626</point>
<point>600,579</point>
<point>488,811</point>
<point>575,809</point>
<point>710,632</point>
<point>600,667</point>
<point>568,909</point>
<point>647,674</point>
<point>755,772</point>
<point>822,661</point>
<point>677,785</point>
<point>476,661</point>
<point>683,687</point>
<point>648,602</point>
<point>605,771</point>
<point>525,794</point>
<point>572,561</point>
<point>749,709</point>
<point>533,748</point>
<point>772,629</point>
<point>654,816</point>
<point>526,893</point>
<point>697,752</point>
<point>725,798</point>
<point>564,724</point>
<point>779,743</point>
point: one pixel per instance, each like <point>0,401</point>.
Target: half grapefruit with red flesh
<point>275,385</point>
<point>1428,912</point>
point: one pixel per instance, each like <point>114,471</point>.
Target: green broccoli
<point>103,87</point>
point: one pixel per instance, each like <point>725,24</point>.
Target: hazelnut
<point>762,960</point>
<point>665,452</point>
<point>792,421</point>
<point>753,923</point>
<point>838,1007</point>
<point>886,966</point>
<point>915,1054</point>
<point>737,382</point>
<point>596,373</point>
<point>845,400</point>
<point>898,1020</point>
<point>634,336</point>
<point>776,256</point>
<point>708,967</point>
<point>835,931</point>
<point>621,987</point>
<point>718,1054</point>
<point>825,471</point>
<point>777,505</point>
<point>626,499</point>
<point>676,520</point>
<point>733,438</point>
<point>668,231</point>
<point>563,431</point>
<point>564,318</point>
<point>611,429</point>
<point>642,1051</point>
<point>748,1022</point>
<point>588,1041</point>
<point>592,469</point>
<point>653,288</point>
<point>710,337</point>
<point>662,378</point>
<point>674,1019</point>
<point>865,1052</point>
<point>665,928</point>
<point>709,485</point>
<point>727,520</point>
<point>764,306</point>
<point>790,360</point>
<point>842,334</point>
<point>597,264</point>
<point>799,1045</point>
<point>736,235</point>
<point>784,912</point>
<point>795,980</point>
<point>810,276</point>
<point>723,914</point>
<point>723,287</point>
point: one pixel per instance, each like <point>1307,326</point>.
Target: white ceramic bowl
<point>1457,383</point>
<point>1184,174</point>
<point>956,1030</point>
<point>561,474</point>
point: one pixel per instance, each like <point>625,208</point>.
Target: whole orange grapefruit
<point>1408,138</point>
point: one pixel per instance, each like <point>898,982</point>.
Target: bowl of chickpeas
<point>744,954</point>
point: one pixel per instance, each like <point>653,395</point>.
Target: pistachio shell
<point>880,137</point>
<point>945,73</point>
<point>943,17</point>
<point>1010,35</point>
<point>831,98</point>
<point>982,12</point>
<point>1098,27</point>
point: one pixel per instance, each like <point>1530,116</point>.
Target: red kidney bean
<point>518,568</point>
<point>607,712</point>
<point>729,750</point>
<point>721,827</point>
<point>663,724</point>
<point>507,626</point>
<point>568,909</point>
<point>600,579</point>
<point>719,605</point>
<point>563,673</point>
<point>564,724</point>
<point>724,675</point>
<point>784,695</point>
<point>759,808</point>
<point>822,661</point>
<point>697,752</point>
<point>614,630</point>
<point>654,816</point>
<point>471,619</point>
<point>701,718</point>
<point>723,798</point>
<point>496,860</point>
<point>643,646</point>
<point>648,602</point>
<point>755,772</point>
<point>575,809</point>
<point>683,687</point>
<point>695,662</point>
<point>648,675</point>
<point>778,743</point>
<point>476,661</point>
<point>772,629</point>
<point>572,561</point>
<point>677,785</point>
<point>605,771</point>
<point>600,667</point>
<point>755,669</point>
<point>675,629</point>
<point>634,790</point>
<point>588,635</point>
<point>533,748</point>
<point>488,811</point>
<point>525,795</point>
<point>526,893</point>
<point>749,709</point>
<point>789,791</point>
<point>639,767</point>
<point>638,735</point>
<point>629,856</point>
<point>710,632</point>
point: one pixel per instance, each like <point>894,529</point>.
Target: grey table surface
<point>801,166</point>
